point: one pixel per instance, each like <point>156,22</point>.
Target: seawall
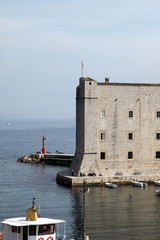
<point>66,178</point>
<point>49,158</point>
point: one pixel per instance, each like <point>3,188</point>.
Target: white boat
<point>157,182</point>
<point>139,184</point>
<point>110,185</point>
<point>33,228</point>
<point>158,192</point>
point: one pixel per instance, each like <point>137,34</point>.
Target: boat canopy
<point>18,222</point>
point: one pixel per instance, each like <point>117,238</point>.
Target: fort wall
<point>117,128</point>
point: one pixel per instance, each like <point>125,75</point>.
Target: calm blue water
<point>109,214</point>
<point>20,182</point>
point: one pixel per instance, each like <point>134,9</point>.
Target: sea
<point>124,213</point>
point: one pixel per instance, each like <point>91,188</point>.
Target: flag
<point>83,66</point>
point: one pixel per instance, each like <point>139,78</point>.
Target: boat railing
<point>1,236</point>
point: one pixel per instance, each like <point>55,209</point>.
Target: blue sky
<point>42,43</point>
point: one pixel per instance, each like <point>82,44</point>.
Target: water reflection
<point>114,214</point>
<point>109,213</point>
<point>77,213</point>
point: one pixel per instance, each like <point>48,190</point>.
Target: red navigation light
<point>43,149</point>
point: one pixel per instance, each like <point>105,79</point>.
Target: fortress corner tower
<point>85,159</point>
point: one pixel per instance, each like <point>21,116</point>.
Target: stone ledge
<point>52,159</point>
<point>65,178</point>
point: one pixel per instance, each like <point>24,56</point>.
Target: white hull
<point>139,184</point>
<point>157,183</point>
<point>110,185</point>
<point>158,192</point>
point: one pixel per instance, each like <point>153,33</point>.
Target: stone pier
<point>49,158</point>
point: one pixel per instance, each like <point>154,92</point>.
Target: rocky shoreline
<point>31,158</point>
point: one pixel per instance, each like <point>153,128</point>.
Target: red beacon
<point>43,149</point>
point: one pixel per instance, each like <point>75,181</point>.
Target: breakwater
<point>49,158</point>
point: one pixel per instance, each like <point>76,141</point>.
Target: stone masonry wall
<point>116,100</point>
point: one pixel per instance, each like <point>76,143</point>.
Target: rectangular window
<point>130,136</point>
<point>102,136</point>
<point>130,155</point>
<point>131,114</point>
<point>16,229</point>
<point>158,114</point>
<point>103,114</point>
<point>157,154</point>
<point>32,230</point>
<point>157,135</point>
<point>102,155</point>
<point>46,229</point>
<point>13,229</point>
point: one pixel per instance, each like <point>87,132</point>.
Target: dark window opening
<point>25,233</point>
<point>16,229</point>
<point>158,135</point>
<point>130,136</point>
<point>90,83</point>
<point>131,114</point>
<point>32,230</point>
<point>157,154</point>
<point>158,114</point>
<point>102,155</point>
<point>130,155</point>
<point>102,136</point>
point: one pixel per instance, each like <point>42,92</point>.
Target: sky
<point>42,44</point>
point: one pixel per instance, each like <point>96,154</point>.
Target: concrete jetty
<point>48,158</point>
<point>65,178</point>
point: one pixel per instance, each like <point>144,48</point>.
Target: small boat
<point>139,184</point>
<point>33,228</point>
<point>157,183</point>
<point>158,192</point>
<point>110,185</point>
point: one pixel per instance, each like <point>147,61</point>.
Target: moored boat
<point>139,184</point>
<point>33,228</point>
<point>157,183</point>
<point>158,191</point>
<point>110,185</point>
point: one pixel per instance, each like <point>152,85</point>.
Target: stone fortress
<point>117,130</point>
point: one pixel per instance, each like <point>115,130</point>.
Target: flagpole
<point>81,69</point>
<point>81,72</point>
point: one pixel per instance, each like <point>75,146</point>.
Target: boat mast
<point>33,202</point>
